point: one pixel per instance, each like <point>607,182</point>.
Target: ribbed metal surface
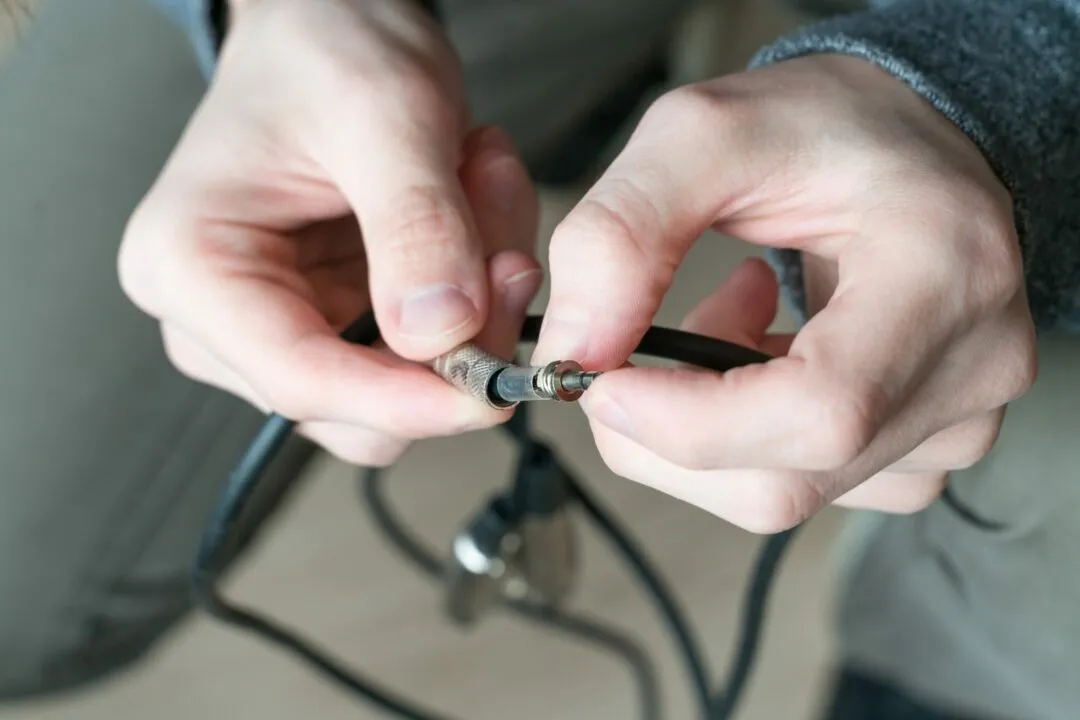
<point>469,369</point>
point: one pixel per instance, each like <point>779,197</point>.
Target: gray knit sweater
<point>1007,72</point>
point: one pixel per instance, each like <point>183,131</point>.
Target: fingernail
<point>436,311</point>
<point>561,338</point>
<point>520,289</point>
<point>608,413</point>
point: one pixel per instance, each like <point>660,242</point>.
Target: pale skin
<point>248,251</point>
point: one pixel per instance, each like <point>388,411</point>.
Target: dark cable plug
<point>479,562</point>
<point>547,558</point>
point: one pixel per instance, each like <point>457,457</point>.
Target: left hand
<point>904,373</point>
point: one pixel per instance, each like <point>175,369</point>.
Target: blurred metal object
<point>478,563</point>
<point>548,559</point>
<point>548,554</point>
<point>470,369</point>
<point>563,380</point>
<point>473,580</point>
<point>503,385</point>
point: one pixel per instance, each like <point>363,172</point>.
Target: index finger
<point>398,165</point>
<point>820,407</point>
<point>614,257</point>
<point>257,319</point>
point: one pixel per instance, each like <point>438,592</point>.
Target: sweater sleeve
<point>1007,73</point>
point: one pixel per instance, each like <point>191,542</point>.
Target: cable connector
<point>520,544</point>
<point>563,381</point>
<point>548,559</point>
<point>503,385</point>
<point>479,561</point>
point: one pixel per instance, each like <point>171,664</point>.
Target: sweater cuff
<point>1004,73</point>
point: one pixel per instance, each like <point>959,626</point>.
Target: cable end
<point>565,381</point>
<point>504,385</point>
<point>562,381</point>
<point>575,381</point>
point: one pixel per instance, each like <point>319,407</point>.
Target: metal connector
<point>563,381</point>
<point>472,370</point>
<point>479,562</point>
<point>503,385</point>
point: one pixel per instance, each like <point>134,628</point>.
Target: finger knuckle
<point>780,505</point>
<point>407,424</point>
<point>179,354</point>
<point>716,115</point>
<point>996,270</point>
<point>616,462</point>
<point>620,462</point>
<point>378,454</point>
<point>599,220</point>
<point>694,106</point>
<point>919,496</point>
<point>135,269</point>
<point>420,218</point>
<point>289,400</point>
<point>382,455</point>
<point>681,105</point>
<point>619,229</point>
<point>1018,368</point>
<point>365,451</point>
<point>844,425</point>
<point>977,446</point>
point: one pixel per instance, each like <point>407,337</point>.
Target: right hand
<point>324,118</point>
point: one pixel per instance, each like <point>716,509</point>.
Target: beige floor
<point>325,570</point>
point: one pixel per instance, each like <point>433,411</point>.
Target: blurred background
<point>85,79</point>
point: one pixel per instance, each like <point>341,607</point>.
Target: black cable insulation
<point>319,659</point>
<point>392,527</point>
<point>754,606</point>
<point>665,343</point>
<point>949,499</point>
<point>426,560</point>
<point>656,588</point>
<point>215,545</point>
<point>237,491</point>
<point>678,345</point>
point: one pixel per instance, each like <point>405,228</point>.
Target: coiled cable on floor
<point>655,588</point>
<point>755,603</point>
<point>626,549</point>
<point>424,559</point>
<point>216,545</point>
<point>216,542</point>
